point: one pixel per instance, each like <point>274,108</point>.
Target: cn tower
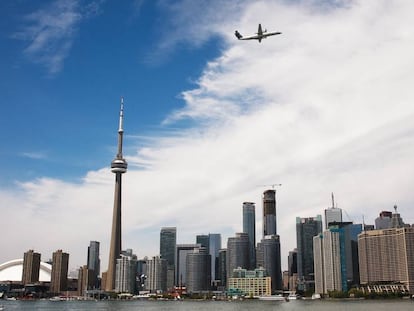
<point>118,167</point>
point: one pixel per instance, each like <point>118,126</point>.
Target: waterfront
<point>307,305</point>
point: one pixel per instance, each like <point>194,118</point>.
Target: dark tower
<point>249,227</point>
<point>269,213</point>
<point>118,167</point>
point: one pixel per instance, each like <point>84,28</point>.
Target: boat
<point>1,308</point>
<point>293,296</point>
<point>316,296</point>
<point>273,298</point>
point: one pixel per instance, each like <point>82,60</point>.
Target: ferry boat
<point>293,296</point>
<point>273,298</point>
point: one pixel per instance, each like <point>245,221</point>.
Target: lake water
<point>298,305</point>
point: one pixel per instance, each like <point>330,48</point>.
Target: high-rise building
<point>396,220</point>
<point>118,167</point>
<point>181,262</point>
<point>383,221</point>
<point>269,213</point>
<point>237,252</point>
<point>306,229</point>
<point>222,267</point>
<point>327,262</point>
<point>215,246</point>
<point>270,248</point>
<point>293,269</point>
<point>85,280</point>
<point>59,274</point>
<point>386,257</point>
<point>198,270</point>
<point>156,280</point>
<point>31,267</point>
<point>168,242</point>
<point>336,257</point>
<point>332,214</point>
<point>249,227</point>
<point>203,240</point>
<point>126,273</point>
<point>94,264</point>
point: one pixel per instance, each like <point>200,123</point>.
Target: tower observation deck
<point>118,167</point>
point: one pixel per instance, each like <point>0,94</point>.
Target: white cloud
<point>50,32</point>
<point>36,155</point>
<point>325,107</point>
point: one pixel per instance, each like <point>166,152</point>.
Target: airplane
<point>261,34</point>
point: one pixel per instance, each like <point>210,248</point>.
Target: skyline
<point>324,107</point>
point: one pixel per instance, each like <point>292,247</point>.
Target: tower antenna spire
<point>121,116</point>
<point>118,167</point>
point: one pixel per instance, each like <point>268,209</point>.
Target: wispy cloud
<point>50,32</point>
<point>35,155</point>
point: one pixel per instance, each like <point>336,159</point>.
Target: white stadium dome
<point>12,271</point>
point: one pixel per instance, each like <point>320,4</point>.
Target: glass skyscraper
<point>94,263</point>
<point>214,248</point>
<point>249,227</point>
<point>168,242</point>
<point>306,229</point>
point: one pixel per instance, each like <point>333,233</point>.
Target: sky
<point>210,121</point>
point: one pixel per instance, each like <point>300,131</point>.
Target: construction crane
<point>272,185</point>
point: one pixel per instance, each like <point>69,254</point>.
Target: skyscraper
<point>126,272</point>
<point>156,269</point>
<point>215,246</point>
<point>222,267</point>
<point>249,227</point>
<point>332,214</point>
<point>237,252</point>
<point>270,248</point>
<point>198,270</point>
<point>31,267</point>
<point>336,257</point>
<point>94,263</point>
<point>328,263</point>
<point>386,257</point>
<point>168,242</point>
<point>293,268</point>
<point>269,212</point>
<point>181,262</point>
<point>59,275</point>
<point>118,167</point>
<point>384,220</point>
<point>85,280</point>
<point>306,229</point>
<point>203,240</point>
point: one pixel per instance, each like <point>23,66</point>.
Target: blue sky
<point>209,120</point>
<point>63,112</point>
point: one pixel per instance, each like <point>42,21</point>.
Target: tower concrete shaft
<point>118,167</point>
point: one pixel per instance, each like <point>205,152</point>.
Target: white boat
<point>273,298</point>
<point>316,296</point>
<point>293,297</point>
